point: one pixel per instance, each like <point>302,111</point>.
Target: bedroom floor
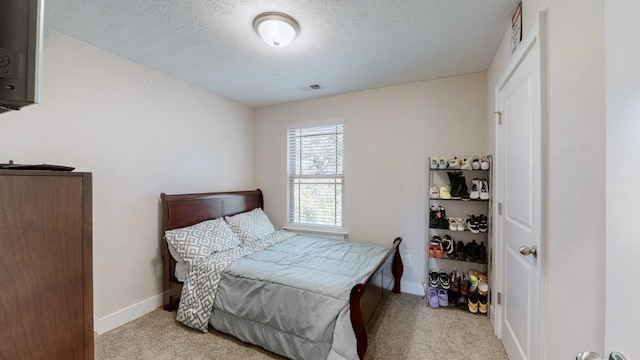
<point>419,332</point>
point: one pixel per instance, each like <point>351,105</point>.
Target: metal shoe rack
<point>458,208</point>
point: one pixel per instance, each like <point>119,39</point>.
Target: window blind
<point>316,175</point>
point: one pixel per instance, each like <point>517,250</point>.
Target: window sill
<point>317,231</point>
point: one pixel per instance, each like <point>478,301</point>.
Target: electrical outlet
<point>159,270</point>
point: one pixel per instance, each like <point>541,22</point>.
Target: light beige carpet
<point>406,329</point>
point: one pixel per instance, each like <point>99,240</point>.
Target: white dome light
<point>276,29</point>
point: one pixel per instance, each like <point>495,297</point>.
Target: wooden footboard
<point>367,298</point>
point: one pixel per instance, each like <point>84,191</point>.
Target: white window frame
<point>337,230</point>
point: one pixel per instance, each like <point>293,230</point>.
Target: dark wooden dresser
<point>46,286</point>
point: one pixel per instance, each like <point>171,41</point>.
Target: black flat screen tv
<point>21,23</point>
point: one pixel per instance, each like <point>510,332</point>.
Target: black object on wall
<point>21,23</point>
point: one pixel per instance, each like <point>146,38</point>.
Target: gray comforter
<point>292,297</point>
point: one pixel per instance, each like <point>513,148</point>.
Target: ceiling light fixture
<point>276,29</point>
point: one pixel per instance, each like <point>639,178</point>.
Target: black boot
<point>434,223</point>
<point>472,251</point>
<point>481,253</point>
<point>454,178</point>
<point>464,191</point>
<point>443,221</point>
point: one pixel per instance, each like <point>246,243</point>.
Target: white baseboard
<point>121,317</point>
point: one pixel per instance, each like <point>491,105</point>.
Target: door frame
<point>537,33</point>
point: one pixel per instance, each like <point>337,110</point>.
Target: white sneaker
<point>445,193</point>
<point>484,163</point>
<point>434,193</point>
<point>475,189</point>
<point>453,224</point>
<point>434,163</point>
<point>454,163</point>
<point>466,165</point>
<point>475,163</point>
<point>484,190</point>
<point>461,225</point>
<point>442,163</point>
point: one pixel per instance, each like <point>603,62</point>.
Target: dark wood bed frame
<point>181,210</point>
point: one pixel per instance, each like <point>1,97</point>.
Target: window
<point>316,176</point>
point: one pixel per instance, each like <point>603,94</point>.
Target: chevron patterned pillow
<point>251,225</point>
<point>201,240</point>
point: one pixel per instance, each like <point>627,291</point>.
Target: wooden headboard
<point>182,210</point>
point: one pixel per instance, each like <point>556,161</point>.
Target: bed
<point>365,298</point>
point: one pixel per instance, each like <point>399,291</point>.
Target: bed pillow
<point>200,240</point>
<point>174,252</point>
<point>251,225</point>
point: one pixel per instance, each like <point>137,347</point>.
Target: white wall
<point>573,283</point>
<point>623,171</point>
<point>140,133</point>
<point>389,134</point>
<point>455,111</point>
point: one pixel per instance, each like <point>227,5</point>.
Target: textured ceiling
<point>344,46</point>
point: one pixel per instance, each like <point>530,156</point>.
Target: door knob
<point>617,356</point>
<point>525,250</point>
<point>590,355</point>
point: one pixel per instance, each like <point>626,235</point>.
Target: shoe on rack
<point>461,251</point>
<point>453,224</point>
<point>443,298</point>
<point>474,194</point>
<point>462,303</point>
<point>444,280</point>
<point>482,287</point>
<point>473,224</point>
<point>435,240</point>
<point>484,189</point>
<point>442,163</point>
<point>484,163</point>
<point>482,220</point>
<point>444,192</point>
<point>481,253</point>
<point>466,164</point>
<point>434,163</point>
<point>434,193</point>
<point>439,252</point>
<point>460,223</point>
<point>473,279</point>
<point>433,298</point>
<point>472,251</point>
<point>482,304</point>
<point>473,303</point>
<point>454,163</point>
<point>475,163</point>
<point>464,285</point>
<point>464,191</point>
<point>434,244</point>
<point>454,280</point>
<point>454,179</point>
<point>434,278</point>
<point>449,246</point>
<point>434,221</point>
<point>443,221</point>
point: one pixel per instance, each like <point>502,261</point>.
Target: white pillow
<point>201,240</point>
<point>181,271</point>
<point>251,225</point>
<point>173,251</point>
